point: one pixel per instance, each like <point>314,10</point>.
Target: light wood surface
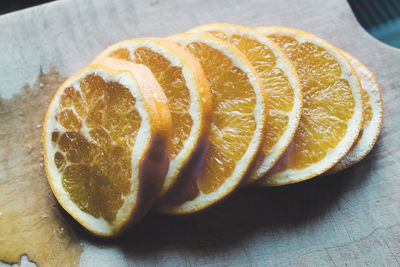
<point>352,218</point>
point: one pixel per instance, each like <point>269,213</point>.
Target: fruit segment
<point>281,84</point>
<point>372,116</point>
<point>237,127</point>
<point>174,85</point>
<point>93,157</point>
<point>189,98</point>
<point>96,172</point>
<point>332,107</point>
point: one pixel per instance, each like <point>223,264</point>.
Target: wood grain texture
<point>352,218</point>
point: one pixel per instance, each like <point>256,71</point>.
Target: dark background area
<point>7,6</point>
<point>381,18</point>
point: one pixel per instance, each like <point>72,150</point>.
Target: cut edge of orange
<point>289,176</point>
<point>370,133</point>
<point>283,63</point>
<point>153,109</point>
<point>200,107</point>
<point>204,201</point>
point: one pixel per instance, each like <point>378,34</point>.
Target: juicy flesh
<point>367,109</point>
<point>233,120</point>
<point>367,116</point>
<point>93,154</point>
<point>277,86</point>
<point>328,103</point>
<point>174,85</point>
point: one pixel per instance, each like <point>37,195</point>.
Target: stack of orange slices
<point>179,123</point>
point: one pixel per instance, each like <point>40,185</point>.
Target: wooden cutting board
<point>352,218</point>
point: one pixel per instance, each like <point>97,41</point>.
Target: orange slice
<point>105,144</point>
<point>238,124</point>
<point>280,81</point>
<point>189,98</point>
<point>372,116</point>
<point>332,107</point>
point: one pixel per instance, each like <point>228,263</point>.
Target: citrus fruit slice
<point>105,144</point>
<point>332,107</point>
<point>189,99</point>
<point>280,81</point>
<point>372,116</point>
<point>237,129</point>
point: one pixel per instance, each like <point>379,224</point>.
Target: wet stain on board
<point>31,222</point>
